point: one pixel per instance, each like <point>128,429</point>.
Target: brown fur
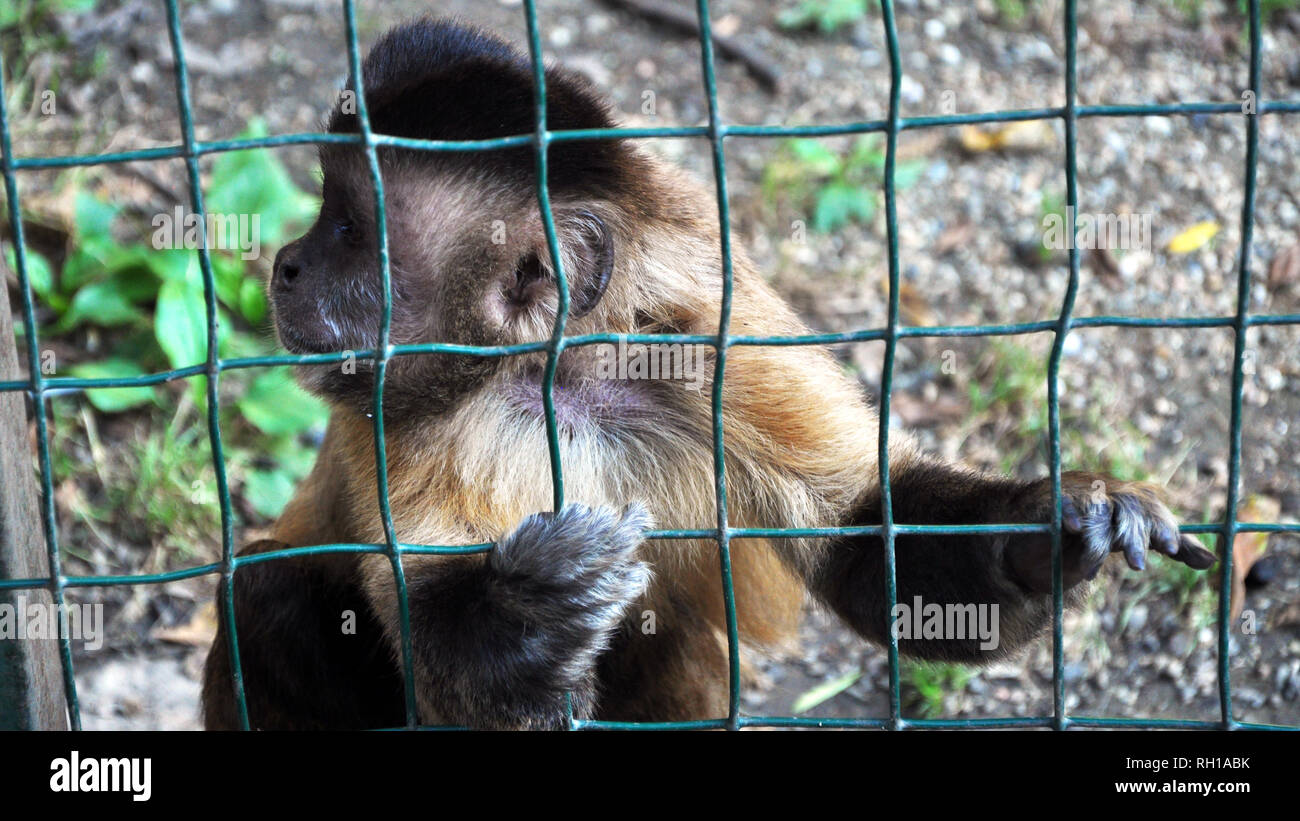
<point>799,438</point>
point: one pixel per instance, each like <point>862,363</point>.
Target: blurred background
<point>134,480</point>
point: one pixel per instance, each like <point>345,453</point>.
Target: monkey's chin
<point>297,342</point>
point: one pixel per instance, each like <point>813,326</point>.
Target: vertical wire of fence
<point>37,386</point>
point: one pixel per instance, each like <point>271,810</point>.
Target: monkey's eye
<point>345,229</point>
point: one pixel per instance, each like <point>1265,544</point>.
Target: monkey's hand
<point>565,580</point>
<point>1100,516</point>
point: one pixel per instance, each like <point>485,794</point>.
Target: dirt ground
<point>1140,649</point>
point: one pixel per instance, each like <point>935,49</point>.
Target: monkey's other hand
<point>1100,516</point>
<point>570,577</point>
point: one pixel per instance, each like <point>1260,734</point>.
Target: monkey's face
<point>468,266</point>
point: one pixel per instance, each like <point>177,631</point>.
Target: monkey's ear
<point>588,247</point>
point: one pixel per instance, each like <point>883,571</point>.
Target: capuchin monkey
<point>578,601</point>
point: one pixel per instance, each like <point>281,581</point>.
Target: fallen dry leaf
<point>1022,135</point>
<point>199,631</point>
<point>1285,268</point>
<point>1192,238</point>
<point>1104,265</point>
<point>1285,617</point>
<point>1247,548</point>
<point>953,237</point>
<point>912,304</point>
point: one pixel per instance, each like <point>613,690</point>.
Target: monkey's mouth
<point>299,342</point>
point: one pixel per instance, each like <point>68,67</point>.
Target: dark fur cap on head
<point>440,79</point>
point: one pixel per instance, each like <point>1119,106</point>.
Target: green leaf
<point>797,17</point>
<point>234,345</point>
<point>815,157</point>
<point>275,405</point>
<point>99,257</point>
<point>839,203</point>
<point>867,153</point>
<point>100,303</point>
<point>180,320</point>
<point>114,400</point>
<point>826,15</point>
<point>268,491</point>
<point>128,268</point>
<point>92,217</point>
<point>907,174</point>
<point>75,6</point>
<point>252,301</point>
<point>228,276</point>
<point>291,457</point>
<point>38,271</point>
<point>825,691</point>
<point>175,264</point>
<point>256,183</point>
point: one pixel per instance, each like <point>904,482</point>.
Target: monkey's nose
<point>284,272</point>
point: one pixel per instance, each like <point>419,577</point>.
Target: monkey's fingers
<point>1136,521</point>
<point>1166,539</point>
<point>1187,549</point>
<point>1130,523</point>
<point>1093,526</point>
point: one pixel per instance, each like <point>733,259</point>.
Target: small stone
<point>1137,619</point>
<point>1159,126</point>
<point>560,37</point>
<point>143,73</point>
<point>911,91</point>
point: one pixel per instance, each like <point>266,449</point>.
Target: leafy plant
<point>145,485</point>
<point>1051,204</point>
<point>824,15</point>
<point>1267,8</point>
<point>1012,11</point>
<point>1015,387</point>
<point>924,684</point>
<point>24,13</point>
<point>29,28</point>
<point>1191,10</point>
<point>148,307</point>
<point>839,188</point>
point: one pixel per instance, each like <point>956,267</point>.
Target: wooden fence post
<point>31,682</point>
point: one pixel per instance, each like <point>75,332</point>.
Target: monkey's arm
<point>311,654</point>
<point>498,641</point>
<point>1012,571</point>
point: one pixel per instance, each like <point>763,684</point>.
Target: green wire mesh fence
<point>37,386</point>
